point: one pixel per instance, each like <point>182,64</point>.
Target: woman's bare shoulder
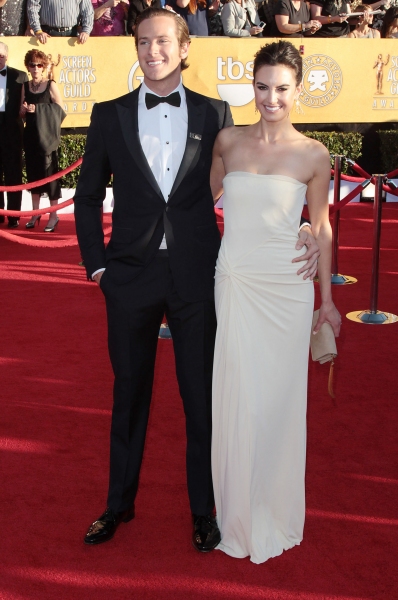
<point>315,149</point>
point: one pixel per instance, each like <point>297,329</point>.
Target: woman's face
<point>367,17</point>
<point>275,91</point>
<point>35,67</point>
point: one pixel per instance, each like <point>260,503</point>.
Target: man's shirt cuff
<point>97,271</point>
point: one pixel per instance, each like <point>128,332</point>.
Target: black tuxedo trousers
<point>135,311</point>
<point>10,166</point>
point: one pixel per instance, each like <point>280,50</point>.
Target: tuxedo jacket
<point>10,121</point>
<point>141,216</point>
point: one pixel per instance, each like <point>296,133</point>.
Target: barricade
<point>382,182</point>
<point>42,211</point>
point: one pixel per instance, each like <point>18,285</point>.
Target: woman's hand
<point>255,30</point>
<point>328,313</point>
<point>30,108</point>
<point>23,109</point>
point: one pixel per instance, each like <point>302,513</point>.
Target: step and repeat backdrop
<point>345,81</point>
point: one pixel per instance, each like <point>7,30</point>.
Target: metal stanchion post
<point>337,278</point>
<point>374,316</point>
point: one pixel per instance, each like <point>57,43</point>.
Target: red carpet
<point>56,387</point>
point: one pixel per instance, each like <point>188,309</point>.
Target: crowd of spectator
<point>233,18</point>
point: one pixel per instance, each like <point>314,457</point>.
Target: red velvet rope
<point>21,239</point>
<point>34,184</point>
<point>349,178</point>
<point>392,174</point>
<point>390,190</point>
<point>335,207</point>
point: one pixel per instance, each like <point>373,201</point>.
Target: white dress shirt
<point>163,137</point>
<point>3,87</point>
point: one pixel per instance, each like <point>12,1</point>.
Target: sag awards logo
<point>322,81</point>
<point>76,79</point>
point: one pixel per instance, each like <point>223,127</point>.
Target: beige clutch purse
<point>323,347</point>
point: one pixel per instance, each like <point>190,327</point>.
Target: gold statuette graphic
<point>379,66</point>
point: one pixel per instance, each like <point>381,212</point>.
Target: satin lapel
<point>128,117</point>
<point>196,120</point>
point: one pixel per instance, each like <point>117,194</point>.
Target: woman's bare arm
<point>318,205</point>
<point>55,94</point>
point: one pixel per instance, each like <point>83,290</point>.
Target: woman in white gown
<point>264,313</point>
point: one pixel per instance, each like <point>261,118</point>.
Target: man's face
<point>3,57</point>
<point>159,53</point>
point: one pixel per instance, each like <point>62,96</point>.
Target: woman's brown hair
<point>279,53</point>
<point>195,4</point>
<point>36,56</point>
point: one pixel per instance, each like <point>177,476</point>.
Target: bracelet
<point>329,18</point>
<point>38,31</point>
<point>302,27</point>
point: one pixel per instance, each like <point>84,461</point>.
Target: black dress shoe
<point>12,223</point>
<point>105,527</point>
<point>206,534</point>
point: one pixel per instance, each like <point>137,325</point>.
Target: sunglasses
<point>38,65</point>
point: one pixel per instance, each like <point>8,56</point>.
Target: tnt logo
<point>317,80</point>
<point>236,94</point>
<point>322,80</point>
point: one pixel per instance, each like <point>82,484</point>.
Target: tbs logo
<point>236,94</point>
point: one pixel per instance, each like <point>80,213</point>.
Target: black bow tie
<point>3,72</point>
<point>151,100</point>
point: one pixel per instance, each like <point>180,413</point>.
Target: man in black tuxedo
<point>157,142</point>
<point>11,130</point>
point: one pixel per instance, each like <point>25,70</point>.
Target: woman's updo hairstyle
<point>279,53</point>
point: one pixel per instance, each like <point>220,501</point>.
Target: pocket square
<point>195,136</point>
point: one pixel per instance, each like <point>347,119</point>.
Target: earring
<point>255,108</point>
<point>298,108</point>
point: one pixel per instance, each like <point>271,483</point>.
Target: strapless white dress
<point>264,312</point>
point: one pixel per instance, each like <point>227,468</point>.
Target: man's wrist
<point>305,224</point>
<point>97,271</point>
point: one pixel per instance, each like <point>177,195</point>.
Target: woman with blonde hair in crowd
<point>41,107</point>
<point>363,27</point>
<point>390,23</point>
